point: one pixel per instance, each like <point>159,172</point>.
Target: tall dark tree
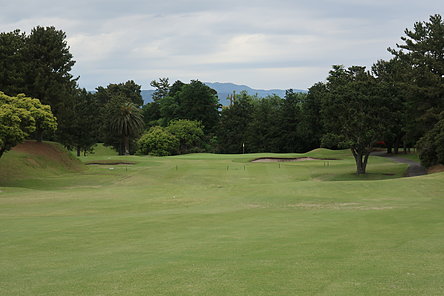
<point>264,132</point>
<point>199,102</point>
<point>392,78</point>
<point>423,50</point>
<point>129,90</point>
<point>290,120</point>
<point>12,63</point>
<point>310,128</point>
<point>79,123</point>
<point>48,65</point>
<point>234,121</point>
<point>193,101</point>
<point>152,111</point>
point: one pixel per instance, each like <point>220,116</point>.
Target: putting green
<point>205,224</point>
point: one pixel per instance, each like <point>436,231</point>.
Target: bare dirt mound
<point>280,159</point>
<point>49,152</point>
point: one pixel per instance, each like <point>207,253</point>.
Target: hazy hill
<point>226,89</point>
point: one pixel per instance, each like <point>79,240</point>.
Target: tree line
<point>399,102</point>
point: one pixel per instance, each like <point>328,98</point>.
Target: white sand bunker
<point>277,159</point>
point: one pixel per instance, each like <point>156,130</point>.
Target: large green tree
<point>19,117</point>
<point>352,112</point>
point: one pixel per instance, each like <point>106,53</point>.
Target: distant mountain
<point>226,89</point>
<point>147,95</point>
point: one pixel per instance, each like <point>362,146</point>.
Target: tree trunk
<point>389,148</point>
<point>1,152</point>
<point>126,144</point>
<point>361,159</point>
<point>39,135</point>
<point>396,145</point>
<point>78,151</point>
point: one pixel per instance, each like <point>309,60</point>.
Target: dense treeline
<point>399,102</point>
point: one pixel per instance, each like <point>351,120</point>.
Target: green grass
<point>204,224</point>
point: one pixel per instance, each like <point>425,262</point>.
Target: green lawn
<point>204,224</point>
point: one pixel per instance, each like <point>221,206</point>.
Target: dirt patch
<point>39,148</point>
<point>436,169</point>
<point>280,159</point>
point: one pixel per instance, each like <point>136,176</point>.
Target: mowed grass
<point>204,224</point>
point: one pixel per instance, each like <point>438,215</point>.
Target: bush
<point>431,145</point>
<point>189,133</point>
<point>158,142</point>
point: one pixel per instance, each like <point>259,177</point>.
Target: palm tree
<point>127,122</point>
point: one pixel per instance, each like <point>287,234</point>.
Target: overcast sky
<point>263,44</point>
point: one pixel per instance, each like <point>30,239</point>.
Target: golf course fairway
<point>210,224</point>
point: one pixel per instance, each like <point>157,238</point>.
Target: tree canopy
<point>353,114</point>
<point>19,117</point>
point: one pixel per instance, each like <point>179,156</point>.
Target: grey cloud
<point>266,44</point>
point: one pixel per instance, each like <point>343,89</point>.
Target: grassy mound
<point>33,159</point>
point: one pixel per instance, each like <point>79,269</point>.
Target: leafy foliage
<point>158,141</point>
<point>189,133</point>
<point>431,146</point>
<point>19,117</point>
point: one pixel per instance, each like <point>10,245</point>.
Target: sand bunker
<point>278,159</point>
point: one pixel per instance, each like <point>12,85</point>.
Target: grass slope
<point>33,160</point>
<point>204,224</point>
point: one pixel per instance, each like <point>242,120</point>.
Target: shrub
<point>431,145</point>
<point>189,133</point>
<point>158,142</point>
